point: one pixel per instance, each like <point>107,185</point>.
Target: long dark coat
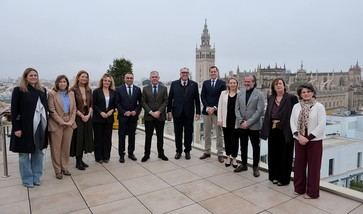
<point>23,106</point>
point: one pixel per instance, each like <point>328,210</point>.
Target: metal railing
<point>4,134</point>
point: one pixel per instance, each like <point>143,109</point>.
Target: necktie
<point>185,83</point>
<point>213,83</point>
<point>130,93</point>
<point>154,91</point>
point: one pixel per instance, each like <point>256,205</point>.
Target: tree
<point>118,69</point>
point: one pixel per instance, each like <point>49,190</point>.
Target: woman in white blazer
<point>226,118</point>
<point>308,121</point>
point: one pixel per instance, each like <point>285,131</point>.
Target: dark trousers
<point>280,155</point>
<point>127,126</point>
<point>230,141</point>
<point>103,135</point>
<point>150,125</point>
<point>308,156</point>
<point>254,136</point>
<point>183,124</point>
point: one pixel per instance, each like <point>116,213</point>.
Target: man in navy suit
<point>129,107</point>
<point>211,90</point>
<point>184,107</point>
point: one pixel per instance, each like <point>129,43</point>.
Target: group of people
<point>76,120</point>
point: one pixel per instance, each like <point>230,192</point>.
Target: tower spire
<point>205,36</point>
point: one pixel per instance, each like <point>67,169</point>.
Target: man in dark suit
<point>249,109</point>
<point>129,107</point>
<point>211,90</point>
<point>154,102</point>
<point>183,103</point>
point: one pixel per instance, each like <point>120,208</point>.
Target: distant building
<point>335,90</point>
<point>204,56</point>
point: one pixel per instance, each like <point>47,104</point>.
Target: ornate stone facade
<point>336,90</point>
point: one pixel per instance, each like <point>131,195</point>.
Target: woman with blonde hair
<point>82,140</point>
<point>62,108</point>
<point>104,104</point>
<point>227,119</point>
<point>29,126</point>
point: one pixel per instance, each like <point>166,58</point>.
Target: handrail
<point>5,132</point>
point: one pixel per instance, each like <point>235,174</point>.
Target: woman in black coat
<point>276,127</point>
<point>29,127</point>
<point>104,104</point>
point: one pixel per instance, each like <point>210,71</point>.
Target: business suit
<point>127,124</point>
<point>60,135</point>
<point>251,112</point>
<point>102,127</point>
<point>210,97</point>
<point>183,103</point>
<point>152,103</point>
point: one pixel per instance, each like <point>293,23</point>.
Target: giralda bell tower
<point>204,57</point>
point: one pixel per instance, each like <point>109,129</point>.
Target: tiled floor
<point>176,186</point>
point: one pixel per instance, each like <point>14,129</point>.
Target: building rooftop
<point>174,186</point>
<point>334,141</point>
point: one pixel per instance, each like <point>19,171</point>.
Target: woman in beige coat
<point>62,110</point>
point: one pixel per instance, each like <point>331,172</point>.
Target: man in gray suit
<point>249,110</point>
<point>154,101</point>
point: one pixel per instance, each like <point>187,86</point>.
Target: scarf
<point>302,123</point>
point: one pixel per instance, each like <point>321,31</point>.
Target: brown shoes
<point>204,156</point>
<point>66,172</point>
<point>59,176</point>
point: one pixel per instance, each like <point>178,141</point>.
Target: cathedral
<point>338,91</point>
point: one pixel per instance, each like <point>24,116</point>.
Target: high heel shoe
<point>234,163</point>
<point>228,162</point>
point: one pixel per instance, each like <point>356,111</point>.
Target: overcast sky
<point>62,37</point>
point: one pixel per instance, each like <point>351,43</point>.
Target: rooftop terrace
<point>174,186</point>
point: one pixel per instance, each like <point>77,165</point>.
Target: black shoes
<point>241,168</point>
<point>106,160</point>
<point>163,157</point>
<point>132,157</point>
<point>187,156</point>
<point>145,158</point>
<point>204,156</point>
<point>79,165</point>
<point>256,171</point>
<point>84,164</point>
<point>220,158</point>
<point>122,159</point>
<point>99,161</point>
<point>177,155</point>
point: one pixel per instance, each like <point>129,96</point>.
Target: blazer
<point>184,101</point>
<point>223,107</point>
<point>23,105</point>
<point>79,100</point>
<point>151,103</point>
<point>252,111</point>
<point>56,110</point>
<point>210,95</point>
<point>317,120</point>
<point>287,103</point>
<point>99,105</point>
<point>126,103</point>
